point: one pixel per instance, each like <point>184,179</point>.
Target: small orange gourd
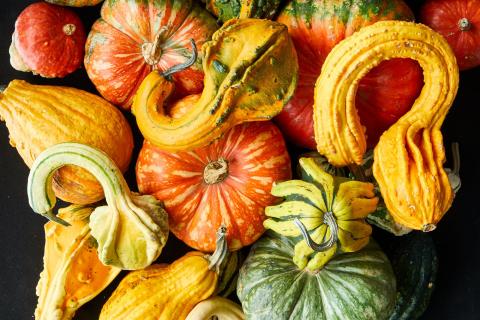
<point>409,158</point>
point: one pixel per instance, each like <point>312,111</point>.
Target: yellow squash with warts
<point>321,207</point>
<point>39,116</point>
<point>250,68</point>
<point>167,292</point>
<point>409,158</point>
<point>72,274</point>
<point>131,230</point>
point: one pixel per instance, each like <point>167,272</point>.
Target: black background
<point>457,294</point>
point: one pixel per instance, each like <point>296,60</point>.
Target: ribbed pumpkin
<point>384,94</point>
<point>459,22</point>
<point>352,286</point>
<point>48,40</point>
<point>75,3</point>
<point>38,117</point>
<point>134,37</point>
<point>226,10</point>
<point>167,292</point>
<point>227,182</point>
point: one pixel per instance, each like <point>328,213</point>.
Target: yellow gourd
<point>250,68</point>
<point>167,292</point>
<point>221,308</point>
<point>409,158</point>
<point>40,116</point>
<point>72,274</point>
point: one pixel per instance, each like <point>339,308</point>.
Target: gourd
<point>459,22</point>
<point>384,94</point>
<point>227,182</point>
<point>165,292</point>
<point>135,37</point>
<point>415,264</point>
<point>48,40</point>
<point>216,307</point>
<point>226,10</point>
<point>75,3</point>
<point>408,160</point>
<point>38,117</point>
<point>322,207</point>
<point>72,274</point>
<point>358,285</point>
<point>130,230</point>
<point>250,70</point>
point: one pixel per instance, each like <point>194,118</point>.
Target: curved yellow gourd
<point>408,160</point>
<point>250,70</point>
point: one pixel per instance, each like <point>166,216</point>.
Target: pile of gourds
<point>216,172</point>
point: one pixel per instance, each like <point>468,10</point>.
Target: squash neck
<point>215,171</point>
<point>464,24</point>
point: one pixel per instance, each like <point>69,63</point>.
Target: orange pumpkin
<point>227,182</point>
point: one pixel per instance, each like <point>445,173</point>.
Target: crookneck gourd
<point>167,292</point>
<point>130,230</point>
<point>250,69</point>
<point>352,286</point>
<point>409,157</point>
<point>38,117</point>
<point>72,274</point>
<point>320,207</point>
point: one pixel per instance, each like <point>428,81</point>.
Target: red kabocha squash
<point>48,40</point>
<point>227,182</point>
<point>459,22</point>
<point>384,94</point>
<point>134,37</point>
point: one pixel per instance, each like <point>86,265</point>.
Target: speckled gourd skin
<point>352,286</point>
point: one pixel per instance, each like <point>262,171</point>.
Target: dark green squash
<point>359,285</point>
<point>415,264</point>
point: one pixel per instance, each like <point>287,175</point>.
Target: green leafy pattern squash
<point>228,9</point>
<point>356,286</point>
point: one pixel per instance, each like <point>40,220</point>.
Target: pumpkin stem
<point>184,65</point>
<point>464,24</point>
<point>216,171</point>
<point>221,250</point>
<point>152,51</point>
<point>69,29</point>
<point>329,220</point>
<point>454,174</point>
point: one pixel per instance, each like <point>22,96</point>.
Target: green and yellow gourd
<point>250,68</point>
<point>229,9</point>
<point>320,207</point>
<point>351,286</point>
<point>130,230</point>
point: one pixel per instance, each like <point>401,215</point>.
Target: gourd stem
<point>456,158</point>
<point>215,171</point>
<point>357,171</point>
<point>329,220</point>
<point>186,64</point>
<point>221,250</point>
<point>464,24</point>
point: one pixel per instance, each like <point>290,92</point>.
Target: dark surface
<point>457,237</point>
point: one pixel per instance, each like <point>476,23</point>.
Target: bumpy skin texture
<point>114,60</point>
<point>226,10</point>
<point>445,17</point>
<point>408,160</point>
<point>384,94</point>
<point>257,157</point>
<point>352,286</point>
<point>250,70</point>
<point>38,117</point>
<point>48,40</point>
<point>72,273</point>
<point>162,292</point>
<point>308,200</point>
<point>75,3</point>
